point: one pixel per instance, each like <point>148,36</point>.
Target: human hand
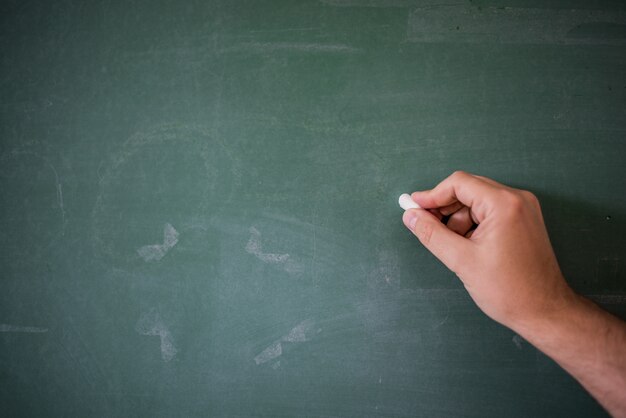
<point>506,263</point>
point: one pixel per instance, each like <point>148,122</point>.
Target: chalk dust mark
<point>314,271</point>
<point>271,352</point>
<point>209,157</point>
<point>157,251</point>
<point>517,340</point>
<point>302,332</point>
<point>254,247</point>
<point>285,30</point>
<point>59,188</point>
<point>444,320</point>
<point>100,177</point>
<point>57,183</point>
<point>17,328</point>
<point>298,46</point>
<point>369,3</point>
<point>386,271</point>
<point>150,324</point>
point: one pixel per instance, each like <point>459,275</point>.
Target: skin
<point>496,242</point>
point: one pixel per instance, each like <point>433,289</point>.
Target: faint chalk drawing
<point>254,247</point>
<point>300,333</point>
<point>17,328</point>
<point>157,251</point>
<point>271,352</point>
<point>151,324</point>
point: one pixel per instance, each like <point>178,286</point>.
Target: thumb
<point>449,247</point>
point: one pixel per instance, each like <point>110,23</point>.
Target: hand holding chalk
<point>406,202</point>
<point>506,262</point>
<point>497,244</point>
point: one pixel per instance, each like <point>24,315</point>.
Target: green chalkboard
<point>198,201</point>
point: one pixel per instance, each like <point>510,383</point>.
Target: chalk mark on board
<point>302,332</point>
<point>271,352</point>
<point>255,248</point>
<point>369,3</point>
<point>150,324</point>
<point>57,183</point>
<point>60,200</point>
<point>300,46</point>
<point>156,252</point>
<point>17,328</point>
<point>59,188</point>
<point>314,233</point>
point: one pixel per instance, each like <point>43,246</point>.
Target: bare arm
<point>508,266</point>
<point>590,344</point>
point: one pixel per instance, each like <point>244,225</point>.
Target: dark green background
<point>275,138</point>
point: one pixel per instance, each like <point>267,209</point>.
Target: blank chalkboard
<point>198,201</point>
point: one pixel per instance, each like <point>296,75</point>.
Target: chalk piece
<point>407,203</point>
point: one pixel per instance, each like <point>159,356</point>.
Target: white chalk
<point>406,202</point>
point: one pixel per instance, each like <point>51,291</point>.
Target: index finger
<point>471,191</point>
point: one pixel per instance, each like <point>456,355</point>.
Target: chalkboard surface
<point>198,211</point>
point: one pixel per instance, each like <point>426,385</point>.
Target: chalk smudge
<point>17,328</point>
<point>369,3</point>
<point>298,334</point>
<point>254,247</point>
<point>285,261</point>
<point>157,251</point>
<point>271,352</point>
<point>300,46</point>
<point>151,324</point>
<point>59,188</point>
<point>517,340</point>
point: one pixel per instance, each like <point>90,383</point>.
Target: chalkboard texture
<point>198,201</point>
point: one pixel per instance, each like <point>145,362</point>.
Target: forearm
<point>590,344</point>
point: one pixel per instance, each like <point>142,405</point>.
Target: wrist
<point>566,308</point>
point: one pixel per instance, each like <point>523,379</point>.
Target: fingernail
<point>410,219</point>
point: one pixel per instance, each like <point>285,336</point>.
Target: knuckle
<point>530,197</point>
<point>458,174</point>
<point>513,201</point>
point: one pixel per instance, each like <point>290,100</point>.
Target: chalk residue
<point>287,262</point>
<point>517,340</point>
<point>157,251</point>
<point>271,352</point>
<point>298,334</point>
<point>387,269</point>
<point>369,3</point>
<point>300,46</point>
<point>59,188</point>
<point>17,328</point>
<point>464,22</point>
<point>254,247</point>
<point>151,324</point>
